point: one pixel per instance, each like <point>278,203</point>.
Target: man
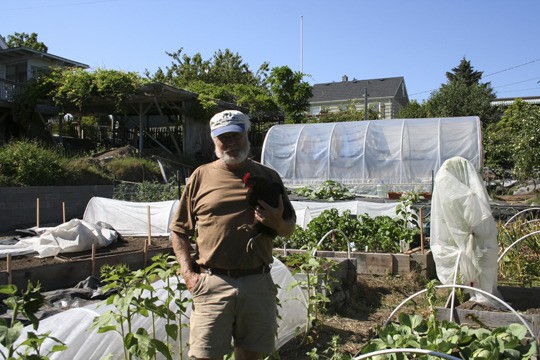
<point>233,294</point>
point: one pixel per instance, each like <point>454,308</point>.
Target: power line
<point>511,68</point>
<point>518,82</point>
<point>494,73</point>
<point>506,91</point>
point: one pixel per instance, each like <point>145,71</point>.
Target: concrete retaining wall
<point>18,205</point>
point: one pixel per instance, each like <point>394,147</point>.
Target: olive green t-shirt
<point>214,200</point>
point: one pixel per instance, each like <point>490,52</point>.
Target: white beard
<point>231,159</point>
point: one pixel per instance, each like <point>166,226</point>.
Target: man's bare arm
<point>182,249</point>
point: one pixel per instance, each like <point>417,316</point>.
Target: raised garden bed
<point>526,301</point>
<point>381,263</point>
<point>66,270</point>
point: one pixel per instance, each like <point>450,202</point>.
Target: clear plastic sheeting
<point>72,326</point>
<point>463,231</point>
<point>400,153</point>
<point>131,218</point>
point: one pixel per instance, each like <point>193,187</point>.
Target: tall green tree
<point>290,92</point>
<point>513,143</point>
<point>414,110</point>
<point>464,95</point>
<point>464,73</point>
<point>26,40</point>
<point>224,77</point>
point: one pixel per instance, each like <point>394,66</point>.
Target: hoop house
<point>400,153</point>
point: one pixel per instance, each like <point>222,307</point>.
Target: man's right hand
<point>181,248</point>
<point>191,278</point>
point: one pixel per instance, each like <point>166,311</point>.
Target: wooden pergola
<point>151,99</point>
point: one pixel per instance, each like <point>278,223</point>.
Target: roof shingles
<point>355,89</point>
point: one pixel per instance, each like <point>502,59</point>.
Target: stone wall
<point>18,205</point>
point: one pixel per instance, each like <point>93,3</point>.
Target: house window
<point>37,70</point>
<point>16,72</point>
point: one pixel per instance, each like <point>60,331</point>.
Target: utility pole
<point>302,44</point>
<point>365,104</point>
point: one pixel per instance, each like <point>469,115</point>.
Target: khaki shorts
<point>242,309</point>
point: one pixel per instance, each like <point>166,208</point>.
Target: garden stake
<point>145,252</point>
<point>421,232</point>
<point>8,268</point>
<point>37,212</point>
<point>93,271</point>
<point>149,228</point>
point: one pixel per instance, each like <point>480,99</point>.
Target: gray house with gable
<point>387,96</point>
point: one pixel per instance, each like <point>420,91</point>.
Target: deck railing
<point>8,89</point>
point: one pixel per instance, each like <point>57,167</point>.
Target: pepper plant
<point>27,304</point>
<point>133,296</point>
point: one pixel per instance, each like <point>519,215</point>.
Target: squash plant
<point>413,331</point>
<point>464,342</point>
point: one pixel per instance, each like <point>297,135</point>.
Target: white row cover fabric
<point>391,152</point>
<point>72,326</point>
<point>463,229</point>
<point>131,218</point>
<point>72,236</point>
<point>308,210</point>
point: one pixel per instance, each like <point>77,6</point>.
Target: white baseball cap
<point>229,121</point>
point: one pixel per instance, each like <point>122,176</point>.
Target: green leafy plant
<point>134,295</point>
<point>315,276</point>
<point>379,234</point>
<point>521,264</point>
<point>413,331</point>
<point>146,191</point>
<point>330,353</point>
<point>30,163</point>
<point>133,169</point>
<point>26,304</point>
<point>329,190</point>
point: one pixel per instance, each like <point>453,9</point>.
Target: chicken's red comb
<point>246,177</point>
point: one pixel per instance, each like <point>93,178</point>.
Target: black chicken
<point>260,188</point>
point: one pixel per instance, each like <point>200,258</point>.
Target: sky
<point>419,40</point>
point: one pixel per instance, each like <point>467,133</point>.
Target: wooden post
<point>37,212</point>
<point>8,264</point>
<point>421,222</point>
<point>63,212</point>
<point>145,253</point>
<point>149,227</point>
<point>93,260</point>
